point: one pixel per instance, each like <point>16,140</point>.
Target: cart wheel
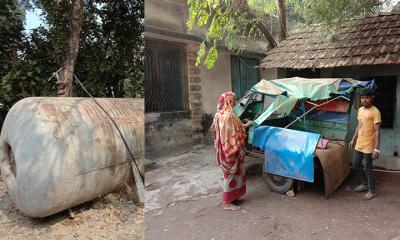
<point>277,183</point>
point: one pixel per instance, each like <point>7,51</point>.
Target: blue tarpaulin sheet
<point>287,152</point>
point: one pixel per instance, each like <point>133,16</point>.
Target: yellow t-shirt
<point>367,118</point>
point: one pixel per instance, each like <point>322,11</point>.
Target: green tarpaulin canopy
<point>289,90</point>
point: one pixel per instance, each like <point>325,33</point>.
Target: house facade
<point>180,97</point>
<point>368,49</point>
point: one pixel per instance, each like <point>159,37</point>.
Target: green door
<point>244,74</point>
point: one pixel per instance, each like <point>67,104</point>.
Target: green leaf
<point>200,53</point>
<point>211,57</point>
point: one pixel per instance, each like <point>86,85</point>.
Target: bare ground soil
<point>111,217</point>
<point>183,202</point>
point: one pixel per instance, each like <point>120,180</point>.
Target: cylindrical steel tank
<point>56,153</point>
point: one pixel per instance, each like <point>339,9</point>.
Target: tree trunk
<point>280,4</point>
<point>244,6</point>
<point>68,62</point>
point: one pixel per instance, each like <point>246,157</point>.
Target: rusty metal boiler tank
<point>56,153</point>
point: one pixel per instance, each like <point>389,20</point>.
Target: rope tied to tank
<point>55,74</point>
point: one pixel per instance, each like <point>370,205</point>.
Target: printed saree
<point>229,138</point>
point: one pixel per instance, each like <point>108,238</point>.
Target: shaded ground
<point>183,202</point>
<point>111,217</point>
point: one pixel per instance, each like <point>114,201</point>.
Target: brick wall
<point>195,93</point>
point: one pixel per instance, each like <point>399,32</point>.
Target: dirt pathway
<point>183,202</point>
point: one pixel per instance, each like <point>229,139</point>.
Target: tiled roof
<point>369,41</point>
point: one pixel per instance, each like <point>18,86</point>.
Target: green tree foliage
<point>110,56</point>
<point>11,25</point>
<point>333,13</point>
<point>226,22</point>
<point>11,41</point>
<point>118,44</point>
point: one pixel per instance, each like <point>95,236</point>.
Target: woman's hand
<point>249,123</point>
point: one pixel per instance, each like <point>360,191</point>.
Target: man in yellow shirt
<point>366,140</point>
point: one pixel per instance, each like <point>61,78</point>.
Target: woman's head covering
<point>229,132</point>
<point>226,100</point>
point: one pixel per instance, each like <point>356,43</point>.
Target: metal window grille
<point>165,76</point>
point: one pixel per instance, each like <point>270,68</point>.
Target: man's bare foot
<point>231,207</point>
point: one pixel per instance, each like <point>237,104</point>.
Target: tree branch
<point>395,7</point>
<point>282,18</point>
<point>244,6</point>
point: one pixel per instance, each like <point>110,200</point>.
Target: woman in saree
<point>229,143</point>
